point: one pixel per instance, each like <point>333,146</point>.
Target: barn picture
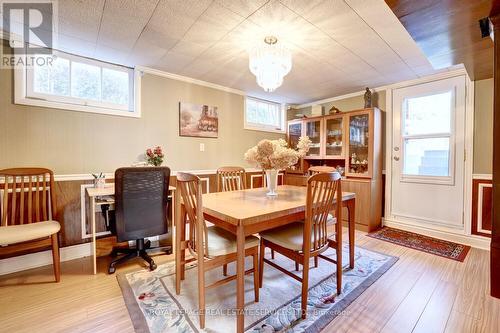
<point>198,120</point>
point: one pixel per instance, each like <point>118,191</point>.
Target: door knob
<point>396,158</point>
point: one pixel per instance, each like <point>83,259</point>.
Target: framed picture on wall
<point>198,120</point>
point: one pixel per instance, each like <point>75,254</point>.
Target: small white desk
<point>93,194</point>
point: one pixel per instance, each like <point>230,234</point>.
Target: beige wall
<point>483,126</point>
<point>72,142</point>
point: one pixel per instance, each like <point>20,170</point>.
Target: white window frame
<point>25,95</point>
<point>259,127</point>
<point>425,179</point>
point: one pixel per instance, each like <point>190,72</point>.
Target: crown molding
<point>443,74</point>
<point>177,77</point>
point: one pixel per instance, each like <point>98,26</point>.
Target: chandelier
<point>270,62</point>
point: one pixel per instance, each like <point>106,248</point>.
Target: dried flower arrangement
<point>275,154</point>
<point>155,156</point>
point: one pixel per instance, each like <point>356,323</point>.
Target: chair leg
<point>144,255</point>
<point>305,284</point>
<point>201,287</point>
<point>256,276</point>
<point>296,266</point>
<point>339,269</point>
<point>261,262</point>
<point>316,261</point>
<point>55,257</point>
<point>224,270</point>
<point>272,254</point>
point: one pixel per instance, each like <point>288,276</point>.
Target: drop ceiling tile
<point>242,7</point>
<point>174,18</point>
<point>146,53</point>
<point>123,21</point>
<point>277,19</point>
<point>111,55</point>
<point>189,48</point>
<point>80,19</point>
<point>212,25</point>
<point>75,45</point>
<point>173,62</point>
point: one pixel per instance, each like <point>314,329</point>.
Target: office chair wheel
<point>111,270</point>
<point>152,266</point>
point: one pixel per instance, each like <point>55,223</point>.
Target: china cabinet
<point>352,143</point>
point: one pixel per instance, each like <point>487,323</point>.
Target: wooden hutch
<point>352,143</point>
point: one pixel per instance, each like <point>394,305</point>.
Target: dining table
<point>250,211</point>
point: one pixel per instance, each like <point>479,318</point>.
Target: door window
<point>427,136</point>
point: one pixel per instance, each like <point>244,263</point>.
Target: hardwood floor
<point>420,293</point>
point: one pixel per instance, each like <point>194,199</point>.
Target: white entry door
<point>428,153</point>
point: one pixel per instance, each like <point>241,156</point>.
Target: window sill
<point>261,129</point>
<point>76,107</point>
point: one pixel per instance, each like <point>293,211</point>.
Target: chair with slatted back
<point>231,179</point>
<point>301,241</point>
<point>320,169</point>
<point>210,246</point>
<point>28,209</point>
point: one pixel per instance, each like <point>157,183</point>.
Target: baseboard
<point>479,242</point>
<point>38,259</point>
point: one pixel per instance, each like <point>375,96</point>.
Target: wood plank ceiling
<point>448,32</point>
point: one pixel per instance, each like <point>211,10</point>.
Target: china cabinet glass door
<point>359,143</point>
<point>334,145</point>
<point>313,131</point>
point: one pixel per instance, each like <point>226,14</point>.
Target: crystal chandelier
<point>270,63</point>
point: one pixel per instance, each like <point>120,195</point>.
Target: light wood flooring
<point>420,293</point>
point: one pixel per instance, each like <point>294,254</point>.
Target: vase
<point>272,182</point>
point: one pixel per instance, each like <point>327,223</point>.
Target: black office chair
<point>141,206</point>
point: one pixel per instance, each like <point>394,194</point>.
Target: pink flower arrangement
<point>154,156</point>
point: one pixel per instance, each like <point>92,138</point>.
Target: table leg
<point>351,206</point>
<point>240,278</point>
<point>177,240</point>
<point>92,220</point>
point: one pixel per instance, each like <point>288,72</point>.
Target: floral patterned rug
<point>154,307</point>
<point>422,243</point>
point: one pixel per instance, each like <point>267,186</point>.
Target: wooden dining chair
<point>331,220</point>
<point>320,169</point>
<point>28,209</point>
<point>231,178</point>
<point>211,246</point>
<point>300,241</point>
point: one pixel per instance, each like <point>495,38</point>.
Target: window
<point>427,135</point>
<point>264,116</point>
<point>76,83</point>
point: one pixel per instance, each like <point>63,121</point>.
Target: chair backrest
<point>189,190</point>
<point>27,196</point>
<point>141,202</point>
<point>320,169</point>
<point>322,191</point>
<point>231,179</point>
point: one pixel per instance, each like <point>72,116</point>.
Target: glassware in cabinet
<point>334,137</point>
<point>358,160</point>
<point>313,131</point>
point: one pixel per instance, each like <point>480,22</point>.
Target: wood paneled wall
<point>69,209</point>
<point>481,207</point>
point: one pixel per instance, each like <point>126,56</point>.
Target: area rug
<point>422,243</point>
<point>154,307</point>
